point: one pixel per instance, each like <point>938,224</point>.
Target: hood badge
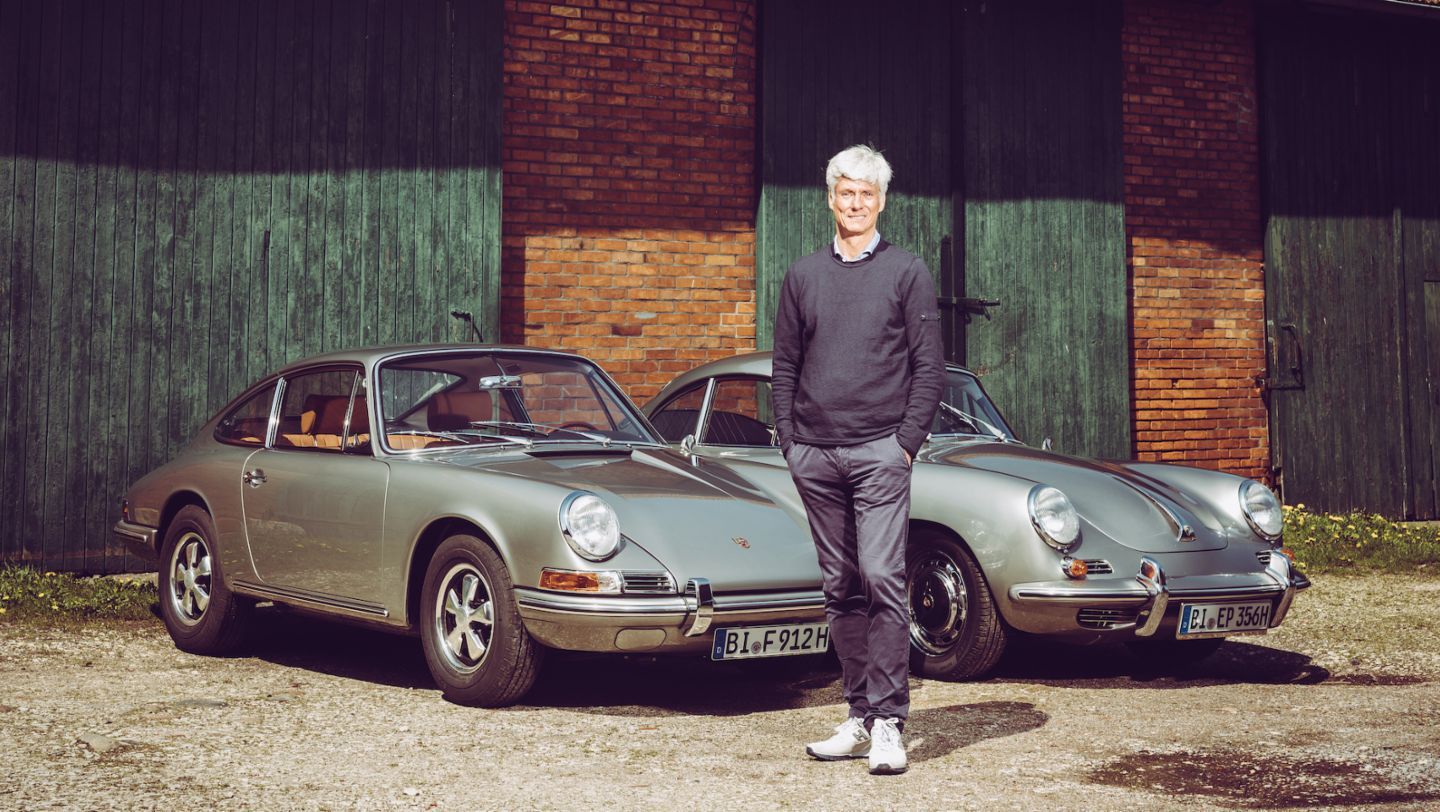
<point>1187,533</point>
<point>742,541</point>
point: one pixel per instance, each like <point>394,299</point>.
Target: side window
<point>316,412</point>
<point>677,417</point>
<point>741,414</point>
<point>247,423</point>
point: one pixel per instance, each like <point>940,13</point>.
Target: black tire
<point>956,633</point>
<point>492,661</point>
<point>1169,655</point>
<point>202,615</point>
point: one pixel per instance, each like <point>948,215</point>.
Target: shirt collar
<point>865,254</point>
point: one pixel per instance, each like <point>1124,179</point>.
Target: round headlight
<point>590,525</point>
<point>1261,509</point>
<point>1054,517</point>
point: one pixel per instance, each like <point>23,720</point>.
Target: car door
<point>314,498</point>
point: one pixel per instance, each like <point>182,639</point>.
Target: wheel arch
<point>924,528</point>
<point>424,549</point>
<point>176,502</point>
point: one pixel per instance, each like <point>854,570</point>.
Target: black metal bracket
<point>1297,369</point>
<point>968,306</point>
<point>465,316</point>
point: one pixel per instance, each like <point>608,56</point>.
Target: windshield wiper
<point>981,426</point>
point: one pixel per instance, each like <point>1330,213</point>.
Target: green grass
<point>27,594</point>
<point>1359,542</point>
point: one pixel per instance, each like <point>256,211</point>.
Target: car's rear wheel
<point>955,630</point>
<point>201,614</point>
<point>475,644</point>
<point>1172,654</point>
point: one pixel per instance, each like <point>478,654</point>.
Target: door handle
<point>254,478</point>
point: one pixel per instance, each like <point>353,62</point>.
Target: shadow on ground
<point>643,686</point>
<point>1115,666</point>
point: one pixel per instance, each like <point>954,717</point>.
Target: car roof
<point>369,356</point>
<point>751,363</point>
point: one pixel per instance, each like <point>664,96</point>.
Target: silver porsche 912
<point>497,501</point>
<point>1006,538</point>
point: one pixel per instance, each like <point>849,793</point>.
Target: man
<point>858,371</point>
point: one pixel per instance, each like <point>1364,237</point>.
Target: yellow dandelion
<point>55,606</point>
<point>1300,506</point>
<point>49,574</point>
<point>41,595</point>
<point>3,610</point>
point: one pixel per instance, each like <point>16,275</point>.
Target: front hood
<point>698,518</point>
<point>1138,512</point>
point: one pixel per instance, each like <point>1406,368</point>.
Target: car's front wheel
<point>956,632</point>
<point>475,643</point>
<point>201,614</point>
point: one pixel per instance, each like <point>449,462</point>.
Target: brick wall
<point>1194,233</point>
<point>628,222</point>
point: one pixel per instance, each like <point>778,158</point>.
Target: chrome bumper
<point>1151,593</point>
<point>138,539</point>
<point>597,622</point>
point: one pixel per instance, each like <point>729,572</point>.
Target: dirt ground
<point>1338,709</point>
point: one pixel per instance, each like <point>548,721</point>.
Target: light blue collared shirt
<point>869,249</point>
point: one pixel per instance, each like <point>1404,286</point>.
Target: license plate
<point>746,642</point>
<point>1210,619</point>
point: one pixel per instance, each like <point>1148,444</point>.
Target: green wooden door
<point>1002,121</point>
<point>1044,219</point>
<point>192,194</point>
<point>1351,133</point>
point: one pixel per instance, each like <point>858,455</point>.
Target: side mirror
<point>687,445</point>
<point>1047,445</point>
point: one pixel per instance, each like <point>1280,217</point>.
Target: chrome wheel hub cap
<point>464,618</point>
<point>938,601</point>
<point>189,592</point>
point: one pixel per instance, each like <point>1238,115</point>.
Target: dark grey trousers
<point>857,498</point>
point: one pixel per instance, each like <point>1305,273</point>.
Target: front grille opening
<point>647,583</point>
<point>1098,566</point>
<point>1097,618</point>
<point>1263,556</point>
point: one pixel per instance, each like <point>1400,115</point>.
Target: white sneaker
<point>887,752</point>
<point>850,741</point>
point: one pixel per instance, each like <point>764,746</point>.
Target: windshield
<point>966,409</point>
<point>501,398</point>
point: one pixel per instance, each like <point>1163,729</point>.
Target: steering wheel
<point>576,424</point>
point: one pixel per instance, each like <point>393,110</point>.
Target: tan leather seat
<point>452,411</point>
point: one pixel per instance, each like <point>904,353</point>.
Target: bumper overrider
<point>664,623</point>
<point>1142,606</point>
<point>137,538</point>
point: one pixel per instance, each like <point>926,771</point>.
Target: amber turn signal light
<point>1074,567</point>
<point>569,581</point>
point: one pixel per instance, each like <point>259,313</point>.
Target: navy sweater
<point>857,350</point>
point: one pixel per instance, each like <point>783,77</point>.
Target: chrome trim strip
<point>704,611</point>
<point>580,604</point>
<point>740,603</point>
<point>138,539</point>
<point>300,596</point>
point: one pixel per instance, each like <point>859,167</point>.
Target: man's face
<point>857,205</point>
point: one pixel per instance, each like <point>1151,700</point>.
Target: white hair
<point>860,163</point>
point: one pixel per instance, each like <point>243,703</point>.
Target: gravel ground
<point>1335,709</point>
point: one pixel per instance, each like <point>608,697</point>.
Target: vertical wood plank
<point>389,266</point>
<point>11,21</point>
<point>39,463</point>
<point>337,291</point>
<point>371,167</point>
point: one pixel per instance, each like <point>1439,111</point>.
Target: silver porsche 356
<point>1006,538</point>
